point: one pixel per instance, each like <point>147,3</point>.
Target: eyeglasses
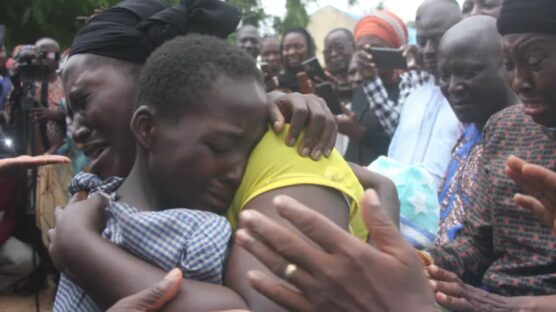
<point>339,49</point>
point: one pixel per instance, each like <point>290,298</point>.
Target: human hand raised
<point>348,124</point>
<point>540,183</point>
<point>331,269</point>
<point>365,65</point>
<point>304,112</point>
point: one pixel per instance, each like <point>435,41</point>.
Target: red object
<point>385,25</point>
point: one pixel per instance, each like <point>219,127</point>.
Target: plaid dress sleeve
<point>192,240</point>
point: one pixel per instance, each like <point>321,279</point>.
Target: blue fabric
<point>195,241</point>
<point>471,137</point>
<point>417,192</point>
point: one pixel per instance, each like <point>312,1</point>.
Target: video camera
<point>35,64</point>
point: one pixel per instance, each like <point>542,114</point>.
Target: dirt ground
<point>16,303</point>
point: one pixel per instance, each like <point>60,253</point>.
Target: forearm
<point>380,104</point>
<point>112,274</point>
<point>533,304</point>
<point>384,187</point>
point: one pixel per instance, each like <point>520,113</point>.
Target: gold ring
<point>290,269</point>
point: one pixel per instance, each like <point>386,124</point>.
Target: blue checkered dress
<point>195,241</point>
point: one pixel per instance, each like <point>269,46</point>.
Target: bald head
<point>249,40</point>
<point>471,71</point>
<point>48,44</point>
<point>434,18</point>
<point>476,34</point>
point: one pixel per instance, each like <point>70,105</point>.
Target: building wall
<point>325,20</point>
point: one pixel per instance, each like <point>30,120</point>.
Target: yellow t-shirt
<point>274,165</point>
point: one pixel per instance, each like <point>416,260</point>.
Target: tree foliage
<point>296,16</point>
<point>252,10</point>
<point>28,20</point>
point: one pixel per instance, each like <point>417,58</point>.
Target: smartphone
<point>267,72</point>
<point>268,77</point>
<point>325,91</point>
<point>386,58</point>
<point>313,69</point>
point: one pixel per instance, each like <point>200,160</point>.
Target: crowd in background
<point>456,137</point>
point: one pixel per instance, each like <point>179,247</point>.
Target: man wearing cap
<point>503,248</point>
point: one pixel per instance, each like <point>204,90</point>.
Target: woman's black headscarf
<point>133,29</point>
<point>528,16</point>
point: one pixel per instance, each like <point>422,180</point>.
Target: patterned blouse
<point>504,247</point>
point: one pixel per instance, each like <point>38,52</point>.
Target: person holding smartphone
<point>373,116</point>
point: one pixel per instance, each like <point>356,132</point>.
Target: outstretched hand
<point>331,268</point>
<point>540,184</point>
<point>453,294</point>
<point>25,161</point>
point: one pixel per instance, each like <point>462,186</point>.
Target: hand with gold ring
<point>331,269</point>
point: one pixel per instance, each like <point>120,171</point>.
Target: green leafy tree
<point>252,11</point>
<point>28,20</point>
<point>296,16</point>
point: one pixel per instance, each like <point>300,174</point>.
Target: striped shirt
<point>195,241</point>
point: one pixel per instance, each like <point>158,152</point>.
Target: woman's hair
<point>177,75</point>
<point>308,39</point>
<point>133,29</point>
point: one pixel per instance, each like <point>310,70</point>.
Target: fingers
<point>540,176</point>
<point>452,303</point>
<point>381,229</point>
<point>537,208</point>
<point>275,242</point>
<point>158,295</point>
<point>33,161</point>
<point>449,288</point>
<point>299,117</point>
<point>274,261</point>
<point>154,297</point>
<point>530,203</point>
<point>318,115</point>
<point>515,163</point>
<point>315,226</point>
<point>277,119</point>
<point>290,299</point>
<point>442,275</point>
<point>327,140</point>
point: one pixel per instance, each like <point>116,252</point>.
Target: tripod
<point>23,130</point>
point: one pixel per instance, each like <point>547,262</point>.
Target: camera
<point>35,64</point>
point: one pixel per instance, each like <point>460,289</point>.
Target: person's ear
<point>143,126</point>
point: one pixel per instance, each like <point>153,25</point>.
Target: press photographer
<point>37,99</point>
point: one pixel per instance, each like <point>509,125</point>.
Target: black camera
<point>35,64</point>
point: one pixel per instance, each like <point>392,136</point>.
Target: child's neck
<point>138,189</point>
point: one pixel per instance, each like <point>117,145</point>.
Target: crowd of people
<point>175,170</point>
